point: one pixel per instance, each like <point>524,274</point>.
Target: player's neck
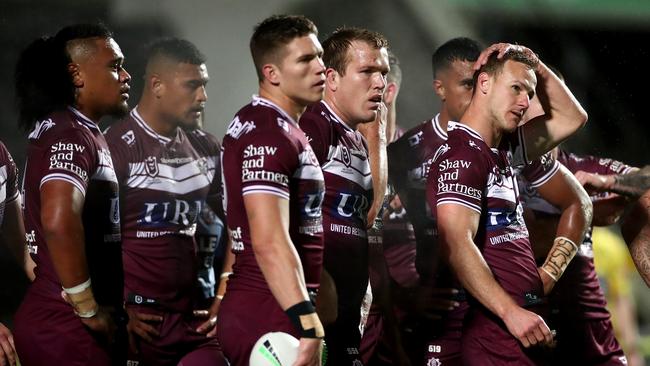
<point>288,105</point>
<point>334,106</point>
<point>479,119</point>
<point>154,119</point>
<point>87,111</point>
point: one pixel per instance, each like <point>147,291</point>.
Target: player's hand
<point>528,327</point>
<point>310,351</point>
<point>141,326</point>
<point>7,347</point>
<point>208,327</point>
<point>433,303</point>
<point>502,49</point>
<point>547,281</point>
<point>595,182</point>
<point>102,323</point>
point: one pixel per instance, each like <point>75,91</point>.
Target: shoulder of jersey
<point>122,132</point>
<point>255,119</point>
<point>56,125</point>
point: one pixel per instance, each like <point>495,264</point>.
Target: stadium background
<point>599,45</point>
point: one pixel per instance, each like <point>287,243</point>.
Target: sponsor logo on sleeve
<point>448,175</point>
<point>236,239</point>
<point>63,158</point>
<point>415,139</point>
<point>283,124</point>
<point>253,165</point>
<point>30,238</point>
<point>41,127</point>
<point>236,128</point>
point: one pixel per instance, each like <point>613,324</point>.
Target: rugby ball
<point>275,349</point>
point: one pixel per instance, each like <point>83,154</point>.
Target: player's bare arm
<point>61,208</point>
<point>565,192</point>
<point>631,184</point>
<point>209,326</point>
<point>13,235</point>
<point>636,231</point>
<point>268,218</point>
<point>375,134</point>
<point>457,227</point>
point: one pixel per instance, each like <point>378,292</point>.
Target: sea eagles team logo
<point>151,166</point>
<point>434,362</point>
<point>345,156</point>
<point>202,164</point>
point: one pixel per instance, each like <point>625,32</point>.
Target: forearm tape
<point>82,299</point>
<point>559,256</point>
<point>303,315</point>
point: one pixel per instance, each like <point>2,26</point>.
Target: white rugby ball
<point>275,349</point>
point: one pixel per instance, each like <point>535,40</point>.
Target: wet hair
<point>456,49</point>
<point>41,78</point>
<point>395,73</point>
<point>494,65</point>
<point>335,47</point>
<point>178,50</point>
<point>273,33</point>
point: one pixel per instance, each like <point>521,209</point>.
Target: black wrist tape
<point>300,315</point>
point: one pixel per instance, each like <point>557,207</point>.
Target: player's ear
<point>483,82</point>
<point>390,93</point>
<point>332,79</point>
<point>156,85</point>
<point>271,73</point>
<point>76,74</point>
<point>439,89</point>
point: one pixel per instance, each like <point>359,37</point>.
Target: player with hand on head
<point>472,190</point>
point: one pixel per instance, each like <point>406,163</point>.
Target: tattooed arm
<point>632,184</point>
<point>636,232</point>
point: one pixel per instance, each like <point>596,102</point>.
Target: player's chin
<point>120,109</point>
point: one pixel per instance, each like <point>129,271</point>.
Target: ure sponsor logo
<point>175,212</point>
<point>352,204</point>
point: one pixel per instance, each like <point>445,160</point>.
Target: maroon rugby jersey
<point>409,160</point>
<point>69,147</point>
<point>469,173</point>
<point>8,180</point>
<point>578,292</point>
<point>343,156</point>
<point>163,184</point>
<point>265,151</point>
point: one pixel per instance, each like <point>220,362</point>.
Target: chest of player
<point>502,193</point>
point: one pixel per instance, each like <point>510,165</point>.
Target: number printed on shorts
<point>434,348</point>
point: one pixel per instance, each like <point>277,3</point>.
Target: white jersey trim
<point>336,116</point>
<point>454,201</point>
<point>265,190</point>
<point>543,179</point>
<point>83,119</point>
<point>141,122</point>
<point>257,100</point>
<point>67,178</point>
<point>435,121</point>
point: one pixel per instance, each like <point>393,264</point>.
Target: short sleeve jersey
<point>69,147</point>
<point>265,152</point>
<point>578,291</point>
<point>467,172</point>
<point>409,160</point>
<point>8,180</point>
<point>343,155</point>
<point>164,182</point>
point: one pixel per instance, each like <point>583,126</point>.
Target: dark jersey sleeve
<point>458,176</point>
<point>319,134</point>
<point>540,170</point>
<point>71,158</point>
<point>596,165</point>
<point>268,160</point>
